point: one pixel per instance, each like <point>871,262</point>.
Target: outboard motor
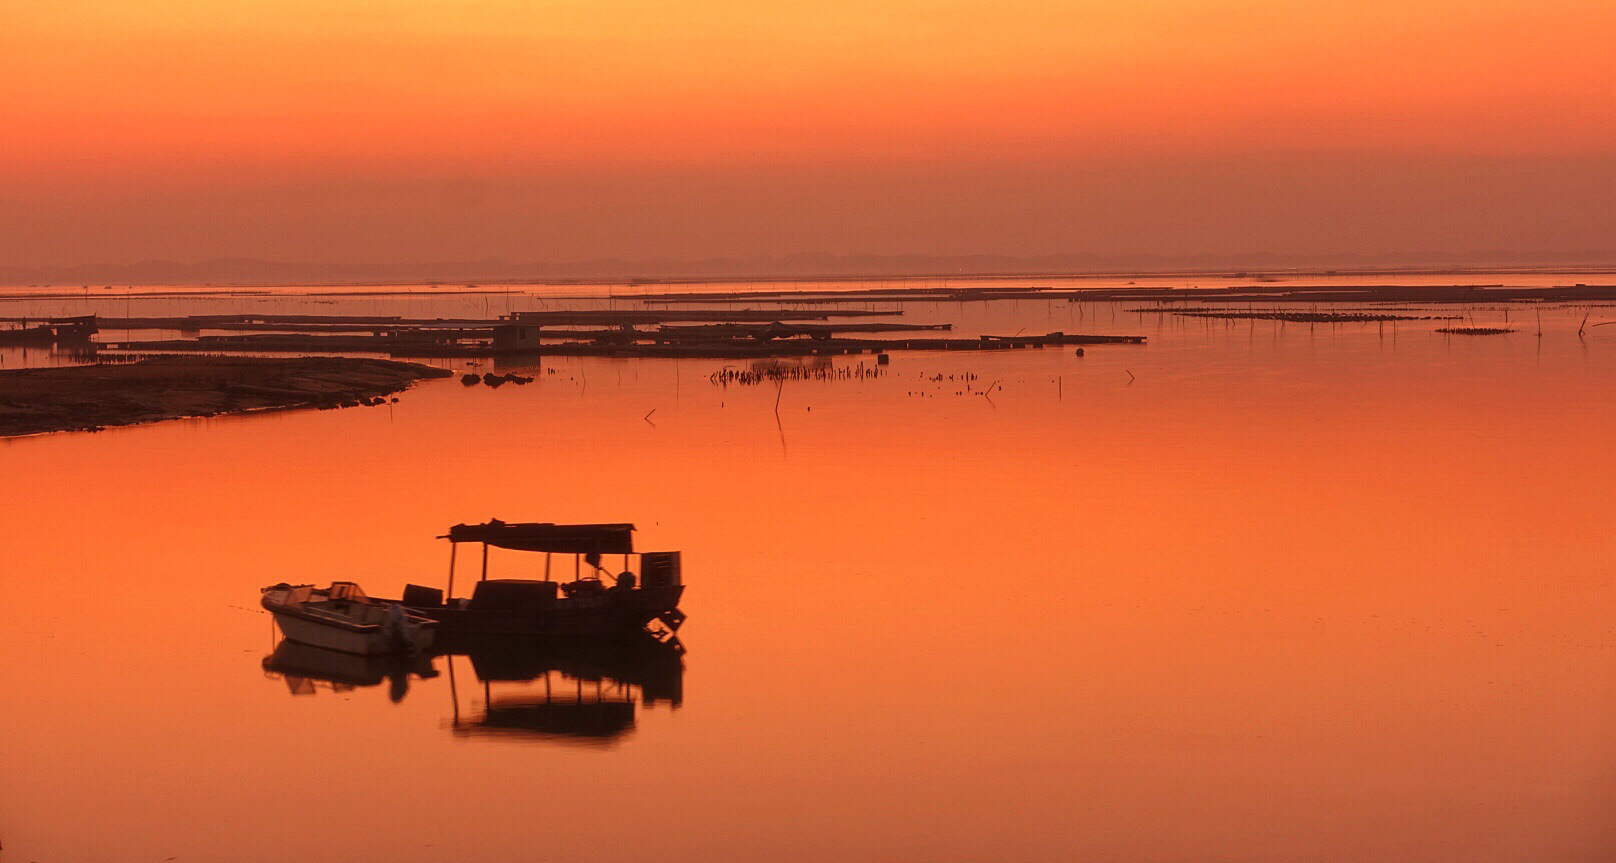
<point>401,631</point>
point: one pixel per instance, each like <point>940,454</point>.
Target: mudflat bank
<point>86,398</point>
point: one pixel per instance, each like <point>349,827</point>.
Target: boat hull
<point>369,641</point>
<point>607,614</point>
<point>28,336</point>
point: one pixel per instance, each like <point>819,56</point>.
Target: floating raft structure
<point>715,334</point>
<point>612,344</point>
<point>1278,292</point>
<point>362,323</point>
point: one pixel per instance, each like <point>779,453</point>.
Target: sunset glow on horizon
<point>157,114</point>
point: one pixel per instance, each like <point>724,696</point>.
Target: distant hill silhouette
<point>238,271</point>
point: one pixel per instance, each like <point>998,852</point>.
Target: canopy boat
<point>630,605</point>
<point>26,335</point>
<point>75,330</point>
<point>341,617</point>
<point>49,331</point>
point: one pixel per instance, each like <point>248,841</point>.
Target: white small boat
<point>341,617</point>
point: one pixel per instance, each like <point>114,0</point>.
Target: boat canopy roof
<point>589,720</point>
<point>562,538</point>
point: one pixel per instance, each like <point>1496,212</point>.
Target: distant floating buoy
<point>1079,351</point>
<point>882,359</point>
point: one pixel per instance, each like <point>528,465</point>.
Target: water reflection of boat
<point>341,617</point>
<point>581,691</point>
<point>654,668</point>
<point>305,668</point>
<point>591,717</point>
<point>586,606</point>
<point>571,691</point>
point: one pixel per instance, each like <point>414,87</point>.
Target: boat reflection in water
<point>582,692</point>
<point>576,692</point>
<point>307,668</point>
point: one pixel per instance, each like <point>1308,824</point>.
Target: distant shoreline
<point>470,285</point>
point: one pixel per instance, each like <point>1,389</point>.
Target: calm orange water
<point>1250,592</point>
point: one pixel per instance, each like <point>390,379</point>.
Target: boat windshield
<point>347,590</point>
<point>289,594</point>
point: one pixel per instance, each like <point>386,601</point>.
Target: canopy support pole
<point>452,546</point>
<point>547,566</point>
<point>454,695</point>
<point>485,562</point>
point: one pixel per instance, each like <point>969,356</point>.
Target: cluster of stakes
<point>781,372</point>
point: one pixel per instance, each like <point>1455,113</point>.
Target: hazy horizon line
<point>805,265</point>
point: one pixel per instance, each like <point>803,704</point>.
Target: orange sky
<point>561,130</point>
